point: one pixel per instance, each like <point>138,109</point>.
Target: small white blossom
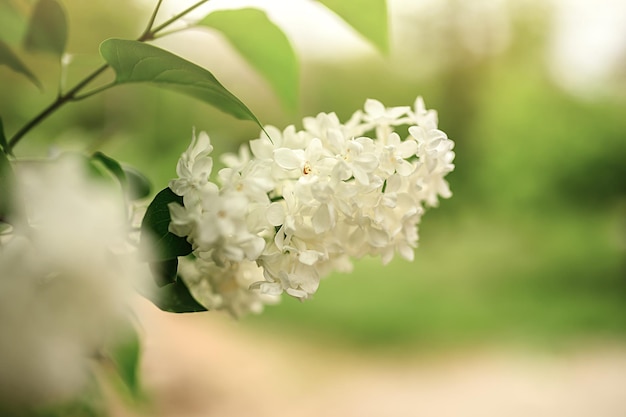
<point>395,154</point>
<point>383,118</point>
<point>194,169</point>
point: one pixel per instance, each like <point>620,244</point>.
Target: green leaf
<point>170,293</point>
<point>138,185</point>
<point>263,45</point>
<point>155,235</point>
<point>137,62</point>
<point>134,184</point>
<point>125,355</point>
<point>368,17</point>
<point>164,272</point>
<point>8,58</point>
<point>13,21</point>
<point>175,298</point>
<point>98,172</point>
<point>47,30</point>
<point>112,166</point>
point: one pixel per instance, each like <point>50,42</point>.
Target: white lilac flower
<point>357,158</point>
<point>395,155</point>
<point>194,169</point>
<point>225,287</point>
<point>435,156</point>
<point>420,116</point>
<point>333,133</point>
<point>383,118</point>
<point>67,282</point>
<point>291,269</point>
<point>254,181</point>
<point>300,203</point>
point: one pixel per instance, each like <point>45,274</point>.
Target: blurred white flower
<point>301,203</point>
<point>67,278</point>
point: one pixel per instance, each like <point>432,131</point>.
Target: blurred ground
<point>208,365</point>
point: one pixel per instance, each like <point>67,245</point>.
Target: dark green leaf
<point>47,30</point>
<point>154,229</point>
<point>138,185</point>
<point>125,355</point>
<point>175,298</point>
<point>137,62</point>
<point>263,45</point>
<point>368,17</point>
<point>8,58</point>
<point>164,272</point>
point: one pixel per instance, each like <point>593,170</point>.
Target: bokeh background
<point>530,251</point>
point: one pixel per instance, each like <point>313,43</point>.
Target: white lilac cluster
<point>67,282</point>
<point>297,204</point>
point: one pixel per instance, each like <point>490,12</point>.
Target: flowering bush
<point>289,208</point>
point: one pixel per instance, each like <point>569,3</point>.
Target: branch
<point>72,94</point>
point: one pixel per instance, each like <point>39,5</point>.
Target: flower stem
<point>150,34</point>
<point>153,17</point>
<point>61,100</point>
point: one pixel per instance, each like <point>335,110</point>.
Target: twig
<point>72,94</point>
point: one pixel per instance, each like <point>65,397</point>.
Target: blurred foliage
<point>531,247</point>
<point>234,25</point>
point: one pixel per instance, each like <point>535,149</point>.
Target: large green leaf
<point>8,58</point>
<point>368,17</point>
<point>263,45</point>
<point>154,229</point>
<point>137,62</point>
<point>47,30</point>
